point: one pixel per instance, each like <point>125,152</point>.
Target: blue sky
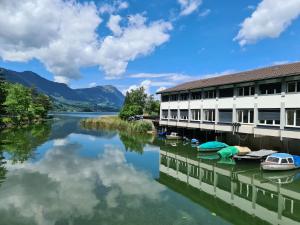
<point>156,44</point>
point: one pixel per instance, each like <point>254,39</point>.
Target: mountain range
<point>99,98</point>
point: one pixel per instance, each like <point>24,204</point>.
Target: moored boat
<point>212,146</point>
<point>173,136</point>
<point>281,161</point>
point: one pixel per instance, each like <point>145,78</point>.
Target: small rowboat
<point>173,136</point>
<point>281,161</point>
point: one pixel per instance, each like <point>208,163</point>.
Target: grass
<point>115,123</point>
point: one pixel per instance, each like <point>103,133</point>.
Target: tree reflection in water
<point>21,143</point>
<point>135,143</point>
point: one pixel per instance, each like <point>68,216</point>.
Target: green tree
<point>152,106</point>
<point>17,102</point>
<point>134,103</point>
<point>2,91</point>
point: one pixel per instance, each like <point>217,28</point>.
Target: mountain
<point>99,98</point>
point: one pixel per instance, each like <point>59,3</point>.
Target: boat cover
<point>243,150</point>
<point>213,145</point>
<point>296,160</point>
<point>228,152</point>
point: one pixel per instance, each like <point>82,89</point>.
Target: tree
<point>134,103</point>
<point>2,91</point>
<point>17,102</point>
<point>152,106</point>
<point>136,97</point>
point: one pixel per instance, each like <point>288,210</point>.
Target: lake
<point>58,173</point>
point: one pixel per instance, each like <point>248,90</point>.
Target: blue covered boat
<point>212,146</point>
<point>281,161</point>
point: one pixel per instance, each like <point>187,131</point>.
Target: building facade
<point>264,102</point>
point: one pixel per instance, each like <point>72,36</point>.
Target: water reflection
<point>21,143</point>
<point>236,192</point>
<point>135,143</point>
<point>63,186</point>
<point>59,173</point>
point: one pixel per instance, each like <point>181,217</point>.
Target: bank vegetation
<point>116,123</point>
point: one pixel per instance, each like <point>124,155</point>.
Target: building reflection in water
<point>268,197</point>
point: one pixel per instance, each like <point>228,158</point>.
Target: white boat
<point>281,161</point>
<point>173,136</point>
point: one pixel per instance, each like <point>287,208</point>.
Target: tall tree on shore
<point>2,91</point>
<point>134,103</point>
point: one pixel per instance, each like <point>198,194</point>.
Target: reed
<point>115,123</point>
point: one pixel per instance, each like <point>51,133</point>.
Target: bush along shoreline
<point>116,123</point>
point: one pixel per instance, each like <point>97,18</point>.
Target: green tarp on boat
<point>228,152</point>
<point>212,146</point>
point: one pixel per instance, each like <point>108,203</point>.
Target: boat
<point>228,152</point>
<point>255,155</point>
<point>281,177</point>
<point>281,161</point>
<point>173,136</point>
<point>212,146</point>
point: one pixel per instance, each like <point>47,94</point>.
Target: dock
<point>255,155</point>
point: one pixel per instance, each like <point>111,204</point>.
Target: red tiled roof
<point>241,77</point>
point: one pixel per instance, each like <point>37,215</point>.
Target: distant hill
<point>99,98</point>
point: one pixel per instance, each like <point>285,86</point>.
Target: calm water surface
<point>61,174</point>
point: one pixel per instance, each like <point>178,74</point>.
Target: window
<point>290,160</point>
<point>226,93</point>
<point>164,98</point>
<point>196,114</point>
<point>272,159</point>
<point>269,117</point>
<point>293,117</point>
<point>284,161</point>
<point>210,94</point>
<point>246,91</point>
<point>184,97</point>
<point>269,89</point>
<point>245,115</point>
<point>184,114</point>
<point>196,95</point>
<point>174,114</point>
<point>165,114</point>
<point>225,115</point>
<point>293,87</point>
<point>173,98</point>
<point>209,115</point>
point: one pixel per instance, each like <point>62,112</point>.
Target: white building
<point>263,102</point>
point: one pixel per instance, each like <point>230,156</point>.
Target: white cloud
<point>281,62</point>
<point>167,76</point>
<point>269,20</point>
<point>116,6</point>
<point>63,36</point>
<point>93,84</point>
<point>113,24</point>
<point>158,80</point>
<point>189,6</point>
<point>137,39</point>
<point>205,13</point>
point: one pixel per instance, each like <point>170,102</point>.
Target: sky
<point>155,44</point>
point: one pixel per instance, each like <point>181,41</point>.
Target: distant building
<point>263,101</point>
